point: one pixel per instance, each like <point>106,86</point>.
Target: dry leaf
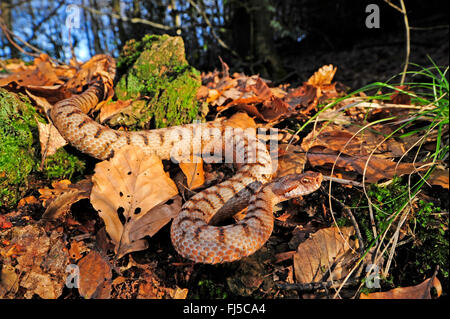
<point>59,187</point>
<point>50,139</point>
<point>95,276</point>
<point>41,256</point>
<point>29,200</point>
<point>112,108</point>
<point>421,291</point>
<point>180,293</point>
<point>323,76</point>
<point>41,74</point>
<point>325,250</point>
<point>291,160</point>
<point>240,120</point>
<point>125,190</point>
<point>194,173</point>
<point>377,168</point>
<point>9,281</point>
<point>439,177</point>
<point>349,141</point>
<point>76,250</point>
<point>65,197</point>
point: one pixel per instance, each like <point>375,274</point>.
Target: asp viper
<point>192,233</point>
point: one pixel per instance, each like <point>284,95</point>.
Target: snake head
<point>295,185</point>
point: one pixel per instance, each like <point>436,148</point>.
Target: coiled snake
<point>192,234</point>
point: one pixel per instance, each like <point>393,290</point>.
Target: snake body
<point>192,235</point>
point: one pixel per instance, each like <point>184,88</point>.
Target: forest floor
<point>396,222</point>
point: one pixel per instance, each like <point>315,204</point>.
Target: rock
<point>160,81</point>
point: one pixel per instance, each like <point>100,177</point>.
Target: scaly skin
<point>191,235</point>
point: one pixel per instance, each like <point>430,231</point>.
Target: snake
<point>194,232</point>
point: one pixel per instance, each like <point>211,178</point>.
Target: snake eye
<point>305,180</point>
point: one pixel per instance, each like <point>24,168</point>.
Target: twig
<point>317,285</point>
<point>402,10</point>
<point>8,33</point>
<point>342,181</point>
<point>349,213</point>
<point>213,32</point>
<point>132,20</point>
<point>408,42</point>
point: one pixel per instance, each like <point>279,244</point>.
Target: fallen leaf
<point>65,197</point>
<point>421,291</point>
<point>291,160</point>
<point>95,276</point>
<point>377,168</point>
<point>194,173</point>
<point>48,194</point>
<point>77,248</point>
<point>303,98</point>
<point>125,190</point>
<point>399,97</point>
<point>180,293</point>
<point>323,76</point>
<point>327,249</point>
<point>151,288</point>
<point>9,281</point>
<point>4,224</point>
<point>350,142</point>
<point>41,74</point>
<point>29,200</point>
<point>50,139</point>
<point>439,177</point>
<point>42,256</point>
<point>110,109</point>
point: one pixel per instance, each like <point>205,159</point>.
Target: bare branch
<point>132,20</point>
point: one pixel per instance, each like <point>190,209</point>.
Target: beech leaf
<point>127,193</point>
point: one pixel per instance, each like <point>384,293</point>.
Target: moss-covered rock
<point>161,81</point>
<point>17,147</point>
<point>20,150</point>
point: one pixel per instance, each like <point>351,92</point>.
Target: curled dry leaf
<point>325,250</point>
<point>129,193</point>
<point>439,177</point>
<point>323,76</point>
<point>179,293</point>
<point>48,194</point>
<point>421,291</point>
<point>59,200</point>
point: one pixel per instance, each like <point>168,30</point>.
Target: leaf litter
<point>135,197</point>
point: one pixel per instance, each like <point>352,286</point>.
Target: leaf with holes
<point>129,193</point>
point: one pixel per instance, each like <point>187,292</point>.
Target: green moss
<point>426,243</point>
<point>64,165</point>
<point>20,150</point>
<point>17,147</point>
<point>158,73</point>
<point>430,247</point>
<point>208,289</point>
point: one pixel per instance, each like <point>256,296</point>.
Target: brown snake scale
<point>192,234</point>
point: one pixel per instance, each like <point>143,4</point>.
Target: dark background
<point>282,40</point>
